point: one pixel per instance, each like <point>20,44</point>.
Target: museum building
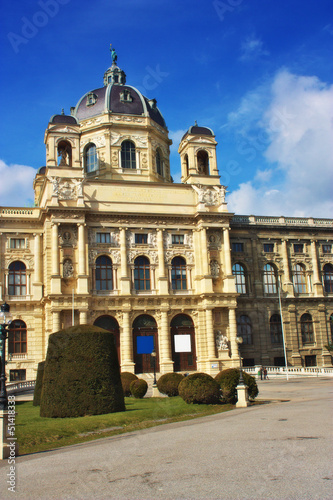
<point>113,241</point>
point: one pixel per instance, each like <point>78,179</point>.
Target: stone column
<point>317,285</point>
<point>211,350</point>
<point>162,278</point>
<point>55,277</point>
<point>37,284</point>
<point>56,321</point>
<point>232,337</point>
<point>125,281</point>
<point>166,363</point>
<point>229,281</point>
<point>83,317</point>
<point>82,276</point>
<point>127,363</point>
<point>288,285</point>
<point>292,339</point>
<point>204,252</point>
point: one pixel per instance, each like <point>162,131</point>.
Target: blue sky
<point>258,72</point>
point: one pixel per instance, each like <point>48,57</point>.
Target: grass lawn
<point>35,433</point>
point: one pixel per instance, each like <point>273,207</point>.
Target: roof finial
<point>113,55</point>
<point>62,111</point>
<point>195,123</point>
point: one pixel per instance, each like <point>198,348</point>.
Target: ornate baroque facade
<point>113,241</point>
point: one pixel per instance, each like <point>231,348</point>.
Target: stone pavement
<point>280,450</point>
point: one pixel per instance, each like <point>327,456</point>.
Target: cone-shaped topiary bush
<point>139,388</point>
<point>81,374</point>
<point>39,382</point>
<point>199,388</point>
<point>228,380</point>
<point>169,382</point>
<point>126,379</point>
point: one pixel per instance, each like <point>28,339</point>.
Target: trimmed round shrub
<point>228,380</point>
<point>199,388</point>
<point>39,383</point>
<point>139,388</point>
<point>168,383</point>
<point>126,379</point>
<point>81,374</point>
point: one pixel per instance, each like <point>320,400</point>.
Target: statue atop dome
<point>114,56</point>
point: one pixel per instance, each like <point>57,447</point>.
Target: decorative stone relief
<point>214,239</point>
<point>68,268</point>
<point>100,141</point>
<point>115,159</point>
<point>115,255</point>
<point>127,119</point>
<point>214,268</point>
<point>92,257</point>
<point>141,140</point>
<point>68,235</point>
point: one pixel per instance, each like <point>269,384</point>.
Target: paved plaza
<point>279,450</point>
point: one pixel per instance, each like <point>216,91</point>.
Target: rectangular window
<point>238,247</point>
<point>327,248</point>
<point>269,247</point>
<point>17,243</point>
<point>141,239</point>
<point>298,247</point>
<point>178,239</point>
<point>17,375</point>
<point>103,238</point>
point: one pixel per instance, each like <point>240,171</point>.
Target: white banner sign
<point>182,343</point>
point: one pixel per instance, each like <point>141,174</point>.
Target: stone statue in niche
<point>214,268</point>
<point>221,341</point>
<point>68,268</point>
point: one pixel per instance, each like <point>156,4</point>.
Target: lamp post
<point>153,355</point>
<point>5,320</point>
<point>239,341</point>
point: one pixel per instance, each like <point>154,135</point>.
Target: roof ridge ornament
<point>114,56</point>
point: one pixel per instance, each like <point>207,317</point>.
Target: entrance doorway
<point>111,324</point>
<point>145,339</point>
<point>183,343</point>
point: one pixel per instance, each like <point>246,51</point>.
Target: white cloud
<point>298,122</point>
<point>252,48</point>
<point>16,185</point>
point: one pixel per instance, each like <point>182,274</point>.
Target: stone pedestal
<point>156,392</point>
<point>242,396</point>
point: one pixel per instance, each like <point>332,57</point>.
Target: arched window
<point>240,279</point>
<point>275,329</point>
<point>17,337</point>
<point>270,279</point>
<point>90,158</point>
<point>328,278</point>
<point>128,155</point>
<point>299,279</point>
<point>244,329</point>
<point>103,273</point>
<point>307,328</point>
<point>178,274</point>
<point>203,162</point>
<point>64,153</point>
<point>142,273</point>
<point>17,279</point>
<point>159,163</point>
<point>186,165</point>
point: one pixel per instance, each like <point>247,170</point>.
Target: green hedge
<point>199,388</point>
<point>81,374</point>
<point>228,380</point>
<point>126,379</point>
<point>169,382</point>
<point>139,388</point>
<point>39,383</point>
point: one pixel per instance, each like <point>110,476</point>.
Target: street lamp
<point>239,341</point>
<point>153,355</point>
<point>5,321</point>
